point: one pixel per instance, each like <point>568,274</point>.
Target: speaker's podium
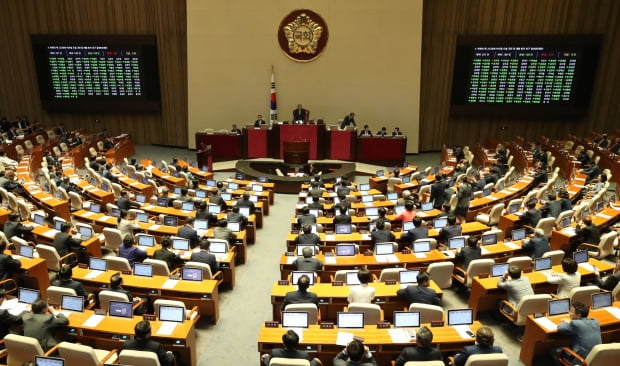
<point>205,158</point>
<point>296,152</point>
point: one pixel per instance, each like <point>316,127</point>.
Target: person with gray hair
<point>307,262</point>
<point>423,350</point>
<point>539,244</point>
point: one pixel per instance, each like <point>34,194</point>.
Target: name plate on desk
<point>283,282</point>
<point>327,325</point>
<point>83,265</point>
<point>406,251</point>
<point>151,317</point>
<point>337,283</point>
<point>271,324</point>
<point>368,254</point>
<point>437,323</point>
<point>126,272</point>
<point>383,325</point>
<point>289,254</point>
<point>390,282</point>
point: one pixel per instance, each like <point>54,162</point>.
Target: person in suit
<point>380,235</point>
<point>452,229</point>
<point>355,354</point>
<point>381,218</point>
<point>382,132</point>
<point>516,286</point>
<point>127,223</point>
<point>342,217</point>
<point>8,321</point>
<point>306,217</point>
<point>584,332</point>
<point>343,189</point>
<point>15,228</point>
<point>301,295</point>
<point>615,148</point>
<point>418,232</point>
<point>235,216</point>
<point>540,176</point>
<point>484,345</point>
<point>130,251</point>
<point>187,231</point>
<point>366,132</point>
<point>591,171</point>
<point>421,293</point>
<point>203,256</point>
<point>438,192</point>
<point>142,342</point>
<point>423,350</point>
<point>539,244</point>
<point>183,197</point>
<point>8,264</point>
<point>165,193</point>
<point>553,206</point>
<point>589,232</point>
<point>65,280</point>
<point>222,231</point>
<point>203,214</point>
<point>235,130</point>
<point>165,254</point>
<point>307,262</point>
<point>316,204</point>
<point>469,253</point>
<point>532,215</point>
<point>397,132</point>
<point>116,285</point>
<point>246,202</point>
<point>604,142</point>
<point>363,292</point>
<point>64,242</point>
<point>566,281</point>
<point>348,121</point>
<point>464,194</point>
<point>259,121</point>
<point>124,203</point>
<point>290,339</point>
<point>300,114</point>
<point>41,322</point>
<point>307,236</point>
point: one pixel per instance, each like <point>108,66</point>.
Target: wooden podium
<point>296,152</point>
<point>204,157</point>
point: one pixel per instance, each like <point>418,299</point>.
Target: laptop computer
<point>440,222</point>
<point>372,211</point>
<point>187,206</point>
<point>343,229</point>
<point>234,226</point>
<point>408,320</point>
<point>263,179</point>
<point>257,187</point>
<point>171,221</point>
<point>180,244</point>
<point>351,278</point>
<point>169,313</point>
<point>245,211</point>
<point>557,307</point>
<point>26,251</point>
<point>177,190</point>
<point>211,183</point>
<point>421,246</point>
<point>542,264</point>
<point>48,361</point>
<point>162,201</point>
<point>86,232</point>
<point>350,320</point>
<point>406,179</point>
<point>392,196</point>
<point>239,176</point>
<point>58,224</point>
<point>120,309</point>
<point>214,209</point>
<point>602,300</point>
<point>201,193</point>
<point>201,224</point>
<point>364,187</point>
<point>219,248</point>
<point>379,173</point>
<point>518,234</point>
<point>489,239</point>
<point>140,198</point>
<point>456,242</point>
<point>498,269</point>
<point>142,217</point>
<point>38,219</point>
<point>146,240</point>
<point>407,225</point>
<point>408,277</point>
<point>233,186</point>
<point>27,295</point>
<point>513,208</point>
<point>384,249</point>
<point>191,274</point>
<point>460,317</point>
<point>226,196</point>
<point>295,319</point>
<point>295,275</point>
<point>97,264</point>
<point>565,221</point>
<point>72,303</point>
<point>399,209</point>
<point>427,206</point>
<point>254,199</point>
<point>367,198</point>
<point>345,249</point>
<point>143,269</point>
<point>580,256</point>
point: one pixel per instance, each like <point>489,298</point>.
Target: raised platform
<point>330,170</point>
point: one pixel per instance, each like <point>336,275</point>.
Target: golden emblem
<point>303,34</point>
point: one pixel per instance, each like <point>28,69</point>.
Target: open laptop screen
<point>245,211</point>
<point>142,217</point>
<point>580,256</point>
<point>456,242</point>
<point>191,274</point>
<point>379,173</point>
<point>171,221</point>
<point>187,206</point>
<point>95,208</point>
<point>140,198</point>
<point>85,231</point>
<point>214,209</point>
<point>440,222</point>
<point>48,361</point>
<point>27,295</point>
<point>488,239</point>
<point>201,224</point>
<point>350,319</point>
<point>513,208</point>
<point>367,198</point>
<point>343,228</point>
<point>372,211</point>
<point>295,275</point>
<point>26,251</point>
<point>421,246</point>
<point>406,277</point>
<point>162,201</point>
<point>364,187</point>
<point>146,240</point>
<point>351,278</point>
<point>566,221</point>
<point>498,270</point>
<point>407,225</point>
<point>345,249</point>
<point>460,316</point>
<point>72,303</point>
<point>218,247</point>
<point>560,306</point>
<point>407,319</point>
<point>384,248</point>
<point>602,299</point>
<point>38,219</point>
<point>294,319</point>
<point>143,269</point>
<point>542,264</point>
<point>518,234</point>
<point>427,206</point>
<point>234,226</point>
<point>180,244</point>
<point>171,314</point>
<point>97,264</point>
<point>392,196</point>
<point>121,309</point>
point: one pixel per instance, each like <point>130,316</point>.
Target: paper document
<point>546,323</point>
<point>399,335</point>
<point>463,330</point>
<point>169,283</point>
<point>330,260</point>
<point>344,338</point>
<point>166,328</point>
<point>93,320</point>
<point>93,274</point>
<point>613,311</point>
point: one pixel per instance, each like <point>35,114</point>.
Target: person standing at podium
<point>348,121</point>
<point>259,121</point>
<point>300,114</point>
<point>235,129</point>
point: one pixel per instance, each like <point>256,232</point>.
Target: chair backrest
<point>113,238</point>
<point>390,274</point>
<point>280,361</point>
<point>105,296</point>
<point>496,213</point>
<point>160,268</point>
<point>583,294</point>
<point>606,245</point>
<point>76,200</point>
<point>54,294</point>
<point>116,189</point>
<point>372,312</point>
<point>604,354</point>
<point>311,309</point>
<point>17,242</point>
<point>341,275</point>
<point>478,266</point>
<point>563,214</point>
<point>424,363</point>
<point>546,225</point>
<point>441,273</point>
<point>392,181</point>
<point>138,358</point>
<point>428,313</point>
<point>531,304</point>
<point>522,262</point>
<point>118,263</point>
<point>49,253</point>
<point>489,359</point>
<point>556,256</point>
<point>616,292</point>
<point>21,349</point>
<point>4,240</point>
<point>206,270</point>
<point>77,354</point>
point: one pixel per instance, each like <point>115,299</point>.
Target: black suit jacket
<point>299,114</point>
<point>75,285</point>
<point>531,217</point>
<point>288,353</point>
<point>438,194</point>
<point>382,236</point>
<point>342,219</point>
<point>468,254</point>
<point>461,357</point>
<point>188,232</point>
<point>16,228</point>
<point>205,257</point>
<point>419,294</point>
<point>298,297</point>
<point>539,247</point>
<point>449,232</point>
<point>418,354</point>
<point>139,344</point>
<point>8,265</point>
<point>590,234</point>
<point>414,234</point>
<point>64,243</point>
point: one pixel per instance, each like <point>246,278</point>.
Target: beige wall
<point>371,64</point>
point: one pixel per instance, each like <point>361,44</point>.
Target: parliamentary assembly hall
<point>295,182</point>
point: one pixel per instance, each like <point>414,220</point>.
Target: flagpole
<point>273,108</point>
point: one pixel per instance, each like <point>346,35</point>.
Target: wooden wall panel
<point>445,19</point>
<point>164,18</point>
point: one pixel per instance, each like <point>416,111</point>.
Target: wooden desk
<point>133,185</point>
<point>382,150</point>
<point>111,332</point>
<point>538,341</point>
<point>203,294</point>
<point>47,202</point>
<point>380,183</point>
<point>333,299</point>
<point>123,149</point>
<point>484,291</point>
<point>560,239</point>
<point>34,274</point>
<point>321,343</point>
<point>268,187</point>
<point>223,146</point>
<point>484,204</point>
<point>46,235</point>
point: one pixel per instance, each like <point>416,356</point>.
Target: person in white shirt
<point>566,281</point>
<point>6,161</point>
<point>363,292</point>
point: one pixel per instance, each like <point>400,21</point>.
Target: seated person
<point>539,244</point>
<point>306,217</point>
<point>183,197</point>
<point>235,216</point>
<point>380,235</point>
<point>417,232</point>
<point>307,236</point>
<point>127,223</point>
<point>423,350</point>
<point>40,323</point>
<point>397,132</point>
<point>421,293</point>
<point>484,340</point>
<point>366,132</point>
<point>130,251</point>
<point>363,292</point>
<point>8,264</point>
<point>532,215</point>
<point>13,227</point>
<point>610,282</point>
<point>142,342</point>
<point>65,280</point>
<point>9,323</point>
<point>307,262</point>
<point>124,203</point>
<point>409,213</point>
<point>246,202</point>
<point>116,285</point>
<point>167,255</point>
<point>451,230</point>
<point>203,256</point>
<point>565,281</point>
<point>290,339</point>
<point>584,332</point>
<point>588,233</point>
<point>469,253</point>
<point>316,204</point>
<point>342,217</point>
<point>65,243</point>
<point>552,207</point>
<point>315,190</point>
<point>222,231</point>
<point>382,132</point>
<point>301,295</point>
<point>187,231</point>
<point>515,285</point>
<point>355,354</point>
<point>164,193</point>
<point>203,214</point>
